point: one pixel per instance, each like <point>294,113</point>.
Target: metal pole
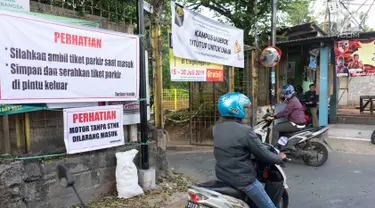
<point>142,88</point>
<point>273,72</point>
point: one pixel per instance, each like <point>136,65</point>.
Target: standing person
<point>234,143</point>
<point>312,103</point>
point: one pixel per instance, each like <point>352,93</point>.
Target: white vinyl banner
<point>197,37</point>
<point>49,62</point>
<point>16,5</point>
<point>131,108</point>
<point>93,128</point>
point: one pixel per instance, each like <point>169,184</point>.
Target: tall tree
<point>298,12</point>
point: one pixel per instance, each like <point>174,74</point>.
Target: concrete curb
<point>349,138</point>
<point>187,148</point>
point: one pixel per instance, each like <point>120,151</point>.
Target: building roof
<point>307,30</point>
<point>331,38</point>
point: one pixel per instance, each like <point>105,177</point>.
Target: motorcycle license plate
<point>194,205</point>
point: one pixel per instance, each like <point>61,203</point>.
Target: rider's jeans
<point>258,195</point>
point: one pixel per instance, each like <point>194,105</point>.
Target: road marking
<point>349,138</point>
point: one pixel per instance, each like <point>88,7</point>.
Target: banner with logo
<point>185,70</point>
<point>200,38</point>
<point>93,128</point>
<point>61,62</point>
<point>355,58</point>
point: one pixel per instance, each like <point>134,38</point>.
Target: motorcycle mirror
<point>65,176</point>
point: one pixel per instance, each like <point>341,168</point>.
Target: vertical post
<point>158,79</point>
<point>254,85</point>
<point>6,137</point>
<point>333,100</point>
<point>277,80</point>
<point>142,88</point>
<point>323,88</point>
<point>231,79</point>
<point>27,133</point>
<point>273,42</point>
<point>175,99</point>
<point>190,112</point>
<point>18,132</point>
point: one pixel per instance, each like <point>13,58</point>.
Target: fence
<point>175,99</point>
<point>203,107</point>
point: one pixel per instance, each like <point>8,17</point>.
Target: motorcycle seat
<point>220,187</point>
<point>297,132</point>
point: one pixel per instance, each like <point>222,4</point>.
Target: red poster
<point>215,75</point>
<point>355,58</point>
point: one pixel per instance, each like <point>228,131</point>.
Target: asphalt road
<point>346,180</point>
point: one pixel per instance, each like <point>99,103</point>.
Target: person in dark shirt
<point>300,94</point>
<point>312,104</point>
<point>234,144</point>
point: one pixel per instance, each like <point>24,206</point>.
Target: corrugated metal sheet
<point>322,39</point>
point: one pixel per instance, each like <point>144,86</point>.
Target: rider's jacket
<point>293,111</point>
<point>234,143</point>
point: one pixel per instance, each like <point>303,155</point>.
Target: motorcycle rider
<point>234,143</point>
<point>293,111</point>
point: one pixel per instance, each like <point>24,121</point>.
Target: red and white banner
<point>50,62</point>
<point>196,75</point>
<point>93,128</point>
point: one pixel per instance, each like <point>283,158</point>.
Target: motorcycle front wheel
<point>284,201</point>
<point>373,137</point>
<point>320,149</point>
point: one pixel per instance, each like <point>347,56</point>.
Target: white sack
<point>127,175</point>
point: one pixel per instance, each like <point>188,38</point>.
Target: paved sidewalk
<point>351,131</point>
<point>354,132</point>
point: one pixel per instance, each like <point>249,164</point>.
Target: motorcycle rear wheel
<point>373,137</point>
<point>284,201</point>
<point>317,146</point>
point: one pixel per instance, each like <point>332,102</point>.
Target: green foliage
<point>179,115</point>
<point>251,16</point>
<point>114,10</point>
<point>298,12</point>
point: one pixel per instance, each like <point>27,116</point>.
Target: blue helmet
<point>287,92</point>
<point>233,105</point>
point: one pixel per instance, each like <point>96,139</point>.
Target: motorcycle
<point>66,180</point>
<point>308,115</point>
<point>297,145</point>
<point>216,194</point>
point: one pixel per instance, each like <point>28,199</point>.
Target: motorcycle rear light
<point>265,174</point>
<point>194,198</point>
<point>197,197</point>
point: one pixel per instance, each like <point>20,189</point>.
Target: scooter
<point>216,194</point>
<point>297,145</point>
<point>308,116</point>
<point>66,179</point>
